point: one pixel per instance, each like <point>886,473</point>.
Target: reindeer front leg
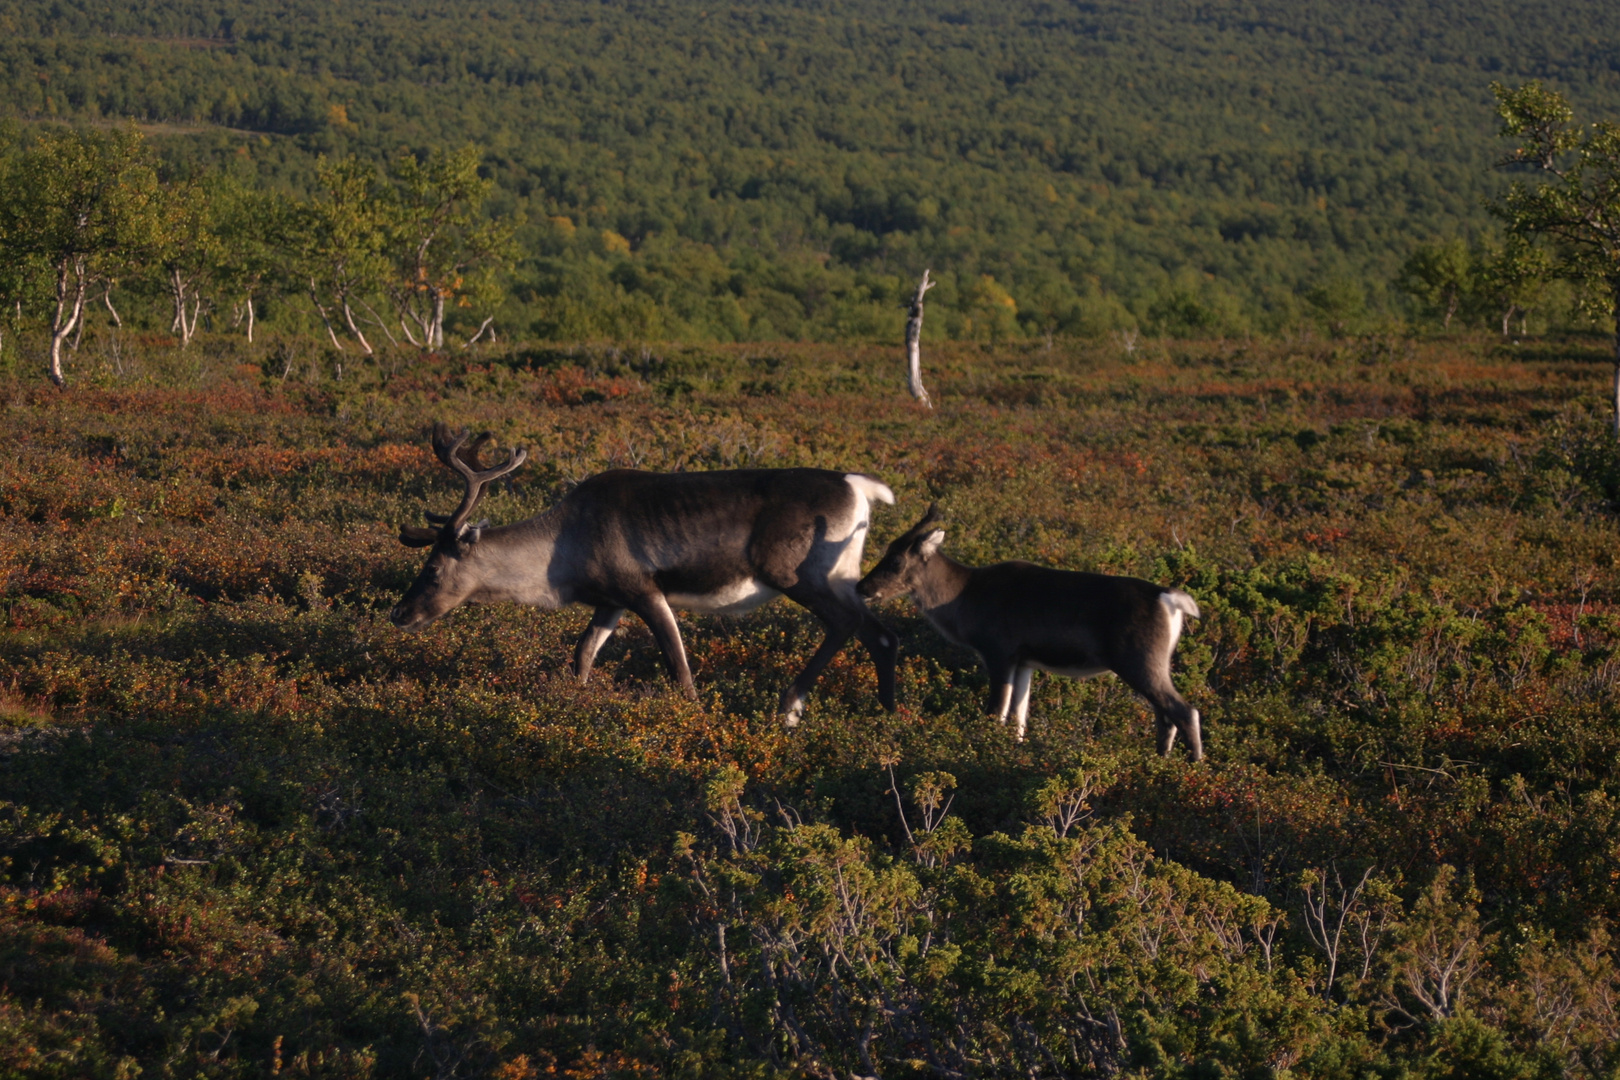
<point>1003,672</point>
<point>841,626</point>
<point>884,650</point>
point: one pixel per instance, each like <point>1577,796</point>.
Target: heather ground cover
<point>248,828</point>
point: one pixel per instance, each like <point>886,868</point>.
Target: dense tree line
<point>392,253</point>
<point>788,170</point>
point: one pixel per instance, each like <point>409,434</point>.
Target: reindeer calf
<point>1018,617</point>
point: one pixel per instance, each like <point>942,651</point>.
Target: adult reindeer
<point>1019,617</point>
<point>646,542</point>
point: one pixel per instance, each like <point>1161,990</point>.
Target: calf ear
<point>930,544</point>
<point>416,536</point>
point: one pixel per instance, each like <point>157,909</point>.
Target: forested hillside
<point>769,170</point>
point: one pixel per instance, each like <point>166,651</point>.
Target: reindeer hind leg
<point>1150,677</point>
<point>654,610</point>
<point>842,622</point>
<point>603,623</point>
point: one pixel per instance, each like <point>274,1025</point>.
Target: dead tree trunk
<point>914,342</point>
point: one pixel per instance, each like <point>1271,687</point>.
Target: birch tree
<point>187,253</point>
<point>1438,276</point>
<point>1510,280</point>
<point>1576,204</point>
<point>251,225</point>
<point>80,210</point>
<point>338,248</point>
<point>443,251</point>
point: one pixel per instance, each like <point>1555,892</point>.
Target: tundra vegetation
<point>247,827</point>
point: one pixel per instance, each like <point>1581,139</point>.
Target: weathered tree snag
<point>914,342</point>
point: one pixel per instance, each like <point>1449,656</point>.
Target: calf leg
<point>884,649</point>
<point>654,611</point>
<point>1174,716</point>
<point>595,636</point>
<point>1003,673</point>
<point>1021,700</point>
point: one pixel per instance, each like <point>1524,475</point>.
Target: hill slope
<point>785,169</point>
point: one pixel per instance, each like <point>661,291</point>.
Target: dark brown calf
<point>1018,617</point>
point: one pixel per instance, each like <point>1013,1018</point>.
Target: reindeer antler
<point>461,456</point>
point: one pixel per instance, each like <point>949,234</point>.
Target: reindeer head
<point>896,573</point>
<point>451,576</point>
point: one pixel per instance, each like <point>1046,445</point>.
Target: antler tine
<point>455,452</point>
<point>472,450</point>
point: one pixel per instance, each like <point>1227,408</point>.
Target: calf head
<point>452,574</point>
<point>897,573</point>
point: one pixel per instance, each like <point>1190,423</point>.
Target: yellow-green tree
<point>443,252</point>
<point>80,210</point>
<point>1576,206</point>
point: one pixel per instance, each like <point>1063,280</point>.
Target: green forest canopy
<point>777,169</point>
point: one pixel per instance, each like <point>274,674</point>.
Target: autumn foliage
<point>249,828</point>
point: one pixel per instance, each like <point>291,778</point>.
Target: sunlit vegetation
<point>246,826</point>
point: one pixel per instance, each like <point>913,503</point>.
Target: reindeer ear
<point>930,544</point>
<point>416,536</point>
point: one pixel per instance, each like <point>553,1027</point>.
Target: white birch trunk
<point>250,318</point>
<point>377,321</point>
<point>914,342</point>
<point>354,328</point>
<point>320,309</point>
<point>70,289</point>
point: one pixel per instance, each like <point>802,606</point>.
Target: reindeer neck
<point>940,583</point>
<point>519,558</point>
